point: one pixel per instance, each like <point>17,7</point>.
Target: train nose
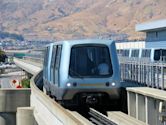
<point>92,100</point>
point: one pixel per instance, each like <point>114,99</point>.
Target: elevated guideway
<point>29,66</point>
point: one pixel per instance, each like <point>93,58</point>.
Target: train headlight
<point>113,84</point>
<point>68,84</point>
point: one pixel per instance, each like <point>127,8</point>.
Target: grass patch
<point>25,83</point>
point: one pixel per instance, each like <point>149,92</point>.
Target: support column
<point>132,104</point>
<point>25,116</point>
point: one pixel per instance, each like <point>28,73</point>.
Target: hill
<point>73,19</point>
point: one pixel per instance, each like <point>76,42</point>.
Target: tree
<point>2,56</point>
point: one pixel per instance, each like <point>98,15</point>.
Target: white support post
<point>137,106</point>
<point>146,109</point>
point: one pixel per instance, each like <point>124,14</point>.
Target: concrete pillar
<point>25,116</point>
<point>141,113</point>
<point>132,104</point>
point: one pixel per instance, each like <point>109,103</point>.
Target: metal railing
<point>143,71</point>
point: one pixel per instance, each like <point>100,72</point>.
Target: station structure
<point>155,35</point>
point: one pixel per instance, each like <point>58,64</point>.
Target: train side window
<point>157,55</point>
<point>135,53</point>
<point>132,53</point>
<point>146,53</point>
<point>125,53</point>
<point>57,64</point>
<point>163,55</point>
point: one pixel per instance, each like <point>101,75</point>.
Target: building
<point>155,33</point>
<point>155,36</point>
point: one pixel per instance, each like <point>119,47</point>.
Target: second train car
<point>150,54</point>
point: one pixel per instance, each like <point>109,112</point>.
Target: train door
<point>157,54</point>
<point>46,63</point>
<point>160,55</point>
<point>53,59</point>
<point>45,69</point>
<point>57,65</point>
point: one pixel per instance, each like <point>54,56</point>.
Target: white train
<point>72,72</point>
<point>150,54</point>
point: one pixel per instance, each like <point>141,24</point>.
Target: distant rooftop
<point>150,26</point>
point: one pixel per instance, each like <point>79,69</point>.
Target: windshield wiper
<point>76,73</point>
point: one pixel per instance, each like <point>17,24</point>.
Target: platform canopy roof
<point>151,26</point>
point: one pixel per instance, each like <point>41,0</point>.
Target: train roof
<point>151,26</point>
<point>83,41</point>
<point>141,48</point>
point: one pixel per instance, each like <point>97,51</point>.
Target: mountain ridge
<point>75,19</point>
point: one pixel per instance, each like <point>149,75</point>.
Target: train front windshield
<point>90,61</point>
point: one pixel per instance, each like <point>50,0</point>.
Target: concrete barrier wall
<point>10,99</point>
<point>30,68</point>
<point>144,105</point>
<point>49,112</point>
